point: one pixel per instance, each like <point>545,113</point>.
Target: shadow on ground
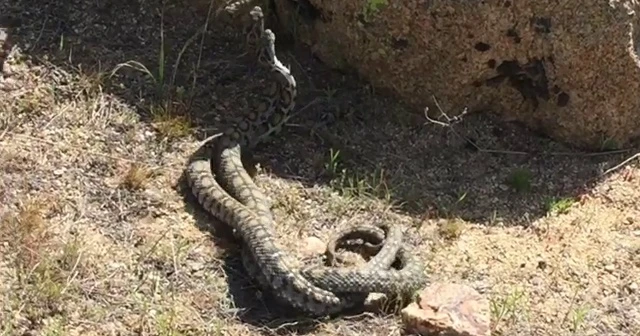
<point>358,141</point>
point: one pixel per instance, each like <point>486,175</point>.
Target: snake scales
<point>230,194</point>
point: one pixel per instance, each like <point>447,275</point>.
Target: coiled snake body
<point>234,198</point>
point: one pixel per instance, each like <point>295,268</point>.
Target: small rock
<point>313,246</point>
<point>375,302</point>
<point>195,266</point>
<point>536,281</point>
<point>610,268</point>
<point>636,233</point>
<point>6,70</point>
<point>4,35</point>
<point>542,265</point>
<point>449,309</point>
<point>8,84</point>
<point>633,287</point>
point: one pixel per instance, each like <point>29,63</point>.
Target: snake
<point>229,194</point>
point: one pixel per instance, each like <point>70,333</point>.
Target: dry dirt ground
<point>99,237</point>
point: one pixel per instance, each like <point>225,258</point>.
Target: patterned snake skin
<point>231,195</point>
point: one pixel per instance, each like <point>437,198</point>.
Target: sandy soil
<point>98,235</point>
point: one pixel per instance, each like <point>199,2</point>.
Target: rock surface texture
<point>569,69</point>
<point>448,309</point>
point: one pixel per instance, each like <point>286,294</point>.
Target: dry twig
<point>621,164</point>
<point>450,121</point>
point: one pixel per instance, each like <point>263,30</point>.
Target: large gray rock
<point>568,68</point>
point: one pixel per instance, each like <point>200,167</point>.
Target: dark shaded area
<point>399,43</point>
<point>529,79</point>
<point>424,168</point>
<point>541,25</point>
<point>482,47</point>
<point>513,33</point>
<point>308,12</point>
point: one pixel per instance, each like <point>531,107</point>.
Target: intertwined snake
<point>231,195</point>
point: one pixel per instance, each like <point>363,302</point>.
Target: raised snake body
<point>235,199</point>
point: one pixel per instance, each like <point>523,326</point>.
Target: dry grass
<point>137,177</point>
<point>97,237</point>
<point>450,229</point>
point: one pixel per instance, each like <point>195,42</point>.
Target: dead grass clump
<point>451,229</point>
<point>35,101</point>
<point>42,268</point>
<point>24,233</point>
<point>137,177</point>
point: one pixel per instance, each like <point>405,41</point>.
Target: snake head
<point>268,46</point>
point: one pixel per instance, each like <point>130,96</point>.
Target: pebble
<point>537,281</point>
<point>7,71</point>
<point>313,246</point>
<point>8,84</point>
<point>610,268</point>
<point>195,266</point>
